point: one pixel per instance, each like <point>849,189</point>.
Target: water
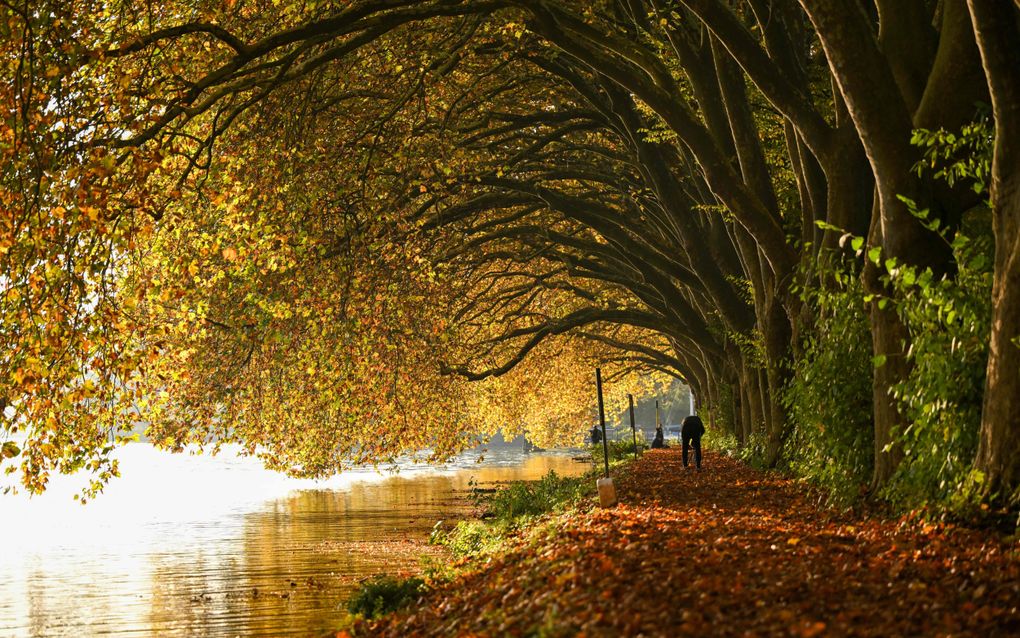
<point>217,546</point>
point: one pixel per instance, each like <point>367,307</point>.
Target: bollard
<point>607,492</point>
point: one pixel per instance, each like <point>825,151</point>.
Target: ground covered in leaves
<point>728,551</point>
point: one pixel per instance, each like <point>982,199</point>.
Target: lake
<point>187,545</point>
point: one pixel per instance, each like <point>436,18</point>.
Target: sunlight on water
<point>218,546</point>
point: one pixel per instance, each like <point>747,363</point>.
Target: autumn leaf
<point>667,563</point>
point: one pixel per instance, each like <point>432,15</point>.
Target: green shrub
<point>721,442</point>
<point>467,538</point>
<point>949,320</point>
<point>509,508</point>
<point>619,450</point>
<point>384,594</point>
<point>753,452</point>
<point>829,397</point>
<point>534,498</point>
<point>723,419</point>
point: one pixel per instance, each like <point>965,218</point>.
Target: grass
<point>512,508</point>
<point>619,451</point>
<point>384,594</point>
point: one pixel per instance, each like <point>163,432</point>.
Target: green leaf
<point>878,360</point>
<point>856,243</point>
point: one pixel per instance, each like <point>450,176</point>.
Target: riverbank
<point>727,551</point>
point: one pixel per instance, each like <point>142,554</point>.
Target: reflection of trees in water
<point>335,538</point>
<point>243,586</point>
<point>323,541</point>
<point>186,592</point>
<point>43,610</point>
<point>89,595</point>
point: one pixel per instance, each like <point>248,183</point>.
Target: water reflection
<point>198,546</point>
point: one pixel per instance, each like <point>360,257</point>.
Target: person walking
<point>691,431</point>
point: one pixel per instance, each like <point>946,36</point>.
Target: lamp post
<point>607,492</point>
<point>602,420</point>
<point>633,429</point>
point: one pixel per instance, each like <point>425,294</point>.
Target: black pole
<point>602,419</point>
<point>633,430</point>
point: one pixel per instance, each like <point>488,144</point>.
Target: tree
<point>996,28</point>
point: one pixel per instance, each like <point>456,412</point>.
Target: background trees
<point>328,217</point>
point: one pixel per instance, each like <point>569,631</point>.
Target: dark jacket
<point>692,427</point>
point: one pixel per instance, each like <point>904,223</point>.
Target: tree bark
<point>957,80</point>
<point>755,415</point>
<point>906,36</point>
<point>736,413</point>
<point>887,336</point>
<point>745,410</point>
<point>998,455</point>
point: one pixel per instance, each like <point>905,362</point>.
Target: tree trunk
<point>881,117</point>
<point>761,381</point>
<point>908,40</point>
<point>736,407</point>
<point>753,394</point>
<point>850,189</point>
<point>887,338</point>
<point>888,341</point>
<point>998,455</point>
<point>745,413</point>
<point>773,321</point>
<point>778,335</point>
<point>701,402</point>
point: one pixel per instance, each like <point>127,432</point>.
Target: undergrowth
<point>619,450</point>
<point>514,508</point>
<point>511,508</point>
<point>384,594</point>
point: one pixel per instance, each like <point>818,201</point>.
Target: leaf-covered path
<point>728,551</point>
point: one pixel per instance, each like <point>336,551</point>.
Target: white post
<point>693,408</point>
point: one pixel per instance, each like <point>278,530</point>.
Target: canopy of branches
<point>338,232</point>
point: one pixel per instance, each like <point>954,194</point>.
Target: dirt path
<point>729,551</point>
